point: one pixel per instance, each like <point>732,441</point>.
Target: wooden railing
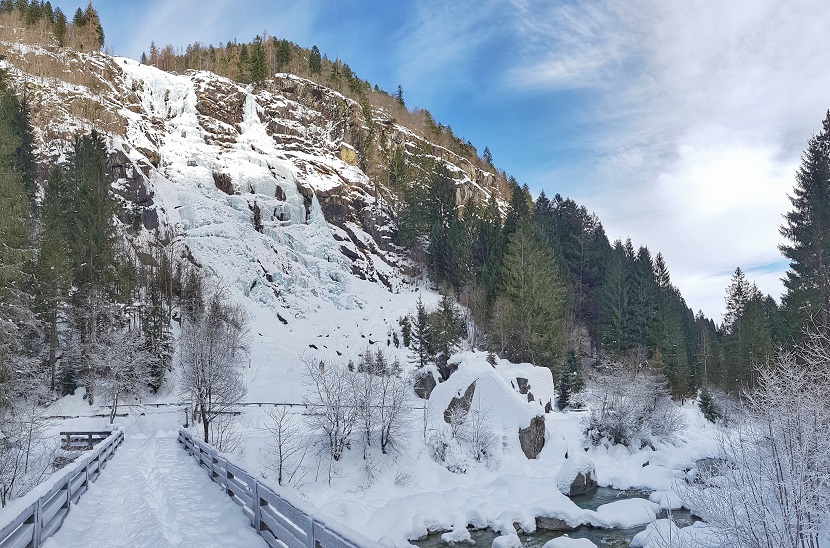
<point>47,505</point>
<point>277,516</point>
<point>82,441</point>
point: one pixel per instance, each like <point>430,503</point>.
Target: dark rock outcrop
<point>460,405</point>
<point>532,438</point>
<point>424,385</point>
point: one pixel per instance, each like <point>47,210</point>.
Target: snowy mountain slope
<point>198,152</point>
<point>194,155</point>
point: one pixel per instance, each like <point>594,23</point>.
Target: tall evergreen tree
<point>315,60</point>
<point>421,336</point>
<point>283,55</point>
<point>53,272</point>
<point>807,227</point>
<point>534,297</point>
<point>93,242</point>
<point>257,64</point>
<point>59,27</point>
<point>15,247</point>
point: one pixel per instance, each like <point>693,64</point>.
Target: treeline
<point>71,289</point>
<point>544,281</point>
<point>755,326</point>
<point>47,25</point>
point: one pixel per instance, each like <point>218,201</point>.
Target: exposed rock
<point>446,369</point>
<point>424,385</point>
<point>223,182</point>
<point>348,155</point>
<point>532,438</point>
<point>460,405</point>
<point>546,523</point>
<point>523,386</point>
<point>577,476</point>
<point>150,219</point>
<point>152,155</point>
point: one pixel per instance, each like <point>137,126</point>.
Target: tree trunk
<point>205,425</point>
<point>114,408</point>
<point>53,345</point>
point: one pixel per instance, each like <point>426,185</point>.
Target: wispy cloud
<point>441,45</point>
<point>703,108</point>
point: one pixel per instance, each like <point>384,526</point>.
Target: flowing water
<point>600,537</point>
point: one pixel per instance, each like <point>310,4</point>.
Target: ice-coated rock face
<point>283,146</point>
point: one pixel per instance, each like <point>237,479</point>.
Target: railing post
<point>310,542</point>
<point>257,508</point>
<point>36,533</point>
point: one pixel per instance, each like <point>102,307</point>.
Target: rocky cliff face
<point>195,154</point>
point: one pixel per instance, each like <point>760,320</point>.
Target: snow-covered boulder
<point>425,383</point>
<point>507,541</point>
<point>566,542</point>
<point>478,390</point>
<point>577,476</point>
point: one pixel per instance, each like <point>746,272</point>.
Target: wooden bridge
<point>153,495</point>
<point>280,519</point>
<point>50,502</point>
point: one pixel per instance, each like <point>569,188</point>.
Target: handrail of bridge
<point>46,506</point>
<point>278,517</point>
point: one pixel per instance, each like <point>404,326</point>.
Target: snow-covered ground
<point>306,306</point>
<point>407,494</point>
<point>153,493</point>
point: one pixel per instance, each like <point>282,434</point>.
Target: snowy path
<point>153,494</point>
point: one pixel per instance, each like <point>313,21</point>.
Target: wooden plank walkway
<point>154,495</point>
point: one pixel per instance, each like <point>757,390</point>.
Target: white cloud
<point>705,107</point>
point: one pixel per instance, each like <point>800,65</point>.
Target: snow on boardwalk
<point>153,494</point>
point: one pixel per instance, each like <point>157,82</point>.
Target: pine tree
<point>257,65</point>
<point>53,271</point>
<point>399,96</point>
<point>314,60</point>
<point>570,380</point>
<point>534,297</point>
<point>397,170</point>
<point>446,331</point>
<point>15,248</point>
<point>421,336</point>
<point>487,156</point>
<point>283,55</point>
<point>93,242</point>
<point>807,227</point>
<point>614,303</point>
<point>59,27</point>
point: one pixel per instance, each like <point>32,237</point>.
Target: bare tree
<point>122,366</point>
<point>286,450</point>
<point>25,452</point>
<point>394,406</point>
<point>477,434</point>
<point>331,398</point>
<point>212,350</point>
<point>630,405</point>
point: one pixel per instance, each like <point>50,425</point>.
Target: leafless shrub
<point>773,489</point>
<point>630,405</point>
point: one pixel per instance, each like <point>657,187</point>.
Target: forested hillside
<point>540,276</point>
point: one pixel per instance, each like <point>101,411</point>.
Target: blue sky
<point>680,123</point>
